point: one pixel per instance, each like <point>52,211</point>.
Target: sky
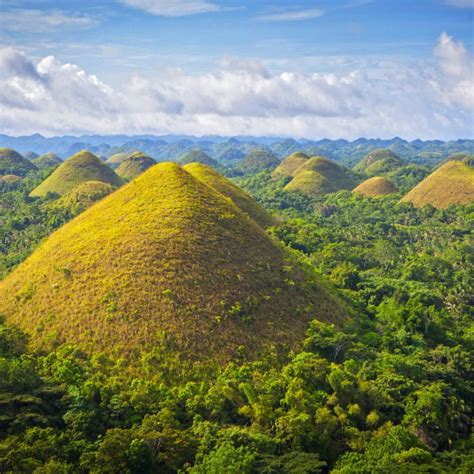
<point>312,69</point>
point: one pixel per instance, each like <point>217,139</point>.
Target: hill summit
<point>376,186</point>
<point>379,161</point>
<point>290,164</point>
<point>178,259</point>
<point>11,162</point>
<point>79,168</point>
<point>135,165</point>
<point>47,160</point>
<point>319,176</point>
<point>258,159</point>
<point>198,156</point>
<point>451,183</point>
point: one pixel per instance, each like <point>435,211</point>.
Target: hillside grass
<point>290,164</point>
<point>379,161</point>
<point>47,160</point>
<point>452,183</point>
<point>176,260</point>
<point>77,169</point>
<point>376,186</point>
<point>134,166</point>
<point>13,163</point>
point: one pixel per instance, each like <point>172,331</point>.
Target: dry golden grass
<point>77,169</point>
<point>165,254</point>
<point>451,183</point>
<point>376,186</point>
<point>10,178</point>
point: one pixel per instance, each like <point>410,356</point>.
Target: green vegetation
<point>319,176</point>
<point>77,169</point>
<point>376,186</point>
<point>258,159</point>
<point>379,162</point>
<point>46,161</point>
<point>12,162</point>
<point>198,156</point>
<point>452,183</point>
<point>135,165</point>
<point>157,325</point>
<point>117,158</point>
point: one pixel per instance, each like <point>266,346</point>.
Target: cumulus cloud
<point>38,21</point>
<point>426,100</point>
<point>173,8</point>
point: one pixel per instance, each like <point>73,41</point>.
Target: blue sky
<point>128,42</point>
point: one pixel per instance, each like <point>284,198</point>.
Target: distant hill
<point>451,183</point>
<point>258,160</point>
<point>379,161</point>
<point>198,156</point>
<point>116,159</point>
<point>177,264</point>
<point>77,169</point>
<point>376,186</point>
<point>239,197</point>
<point>290,164</point>
<point>12,162</point>
<point>47,160</point>
<point>84,195</point>
<point>30,155</point>
<point>135,165</point>
<point>319,176</point>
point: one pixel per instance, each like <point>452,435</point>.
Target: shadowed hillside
<point>379,161</point>
<point>258,160</point>
<point>47,160</point>
<point>179,259</point>
<point>12,162</point>
<point>198,156</point>
<point>451,183</point>
<point>135,165</point>
<point>77,169</point>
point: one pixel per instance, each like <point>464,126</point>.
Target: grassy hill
<point>12,162</point>
<point>177,262</point>
<point>451,183</point>
<point>47,160</point>
<point>117,158</point>
<point>135,165</point>
<point>290,164</point>
<point>198,156</point>
<point>379,161</point>
<point>239,197</point>
<point>84,195</point>
<point>79,168</point>
<point>319,176</point>
<point>376,186</point>
<point>258,159</point>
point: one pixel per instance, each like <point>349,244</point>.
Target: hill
<point>239,197</point>
<point>84,195</point>
<point>135,165</point>
<point>179,263</point>
<point>451,183</point>
<point>117,158</point>
<point>379,161</point>
<point>198,156</point>
<point>30,155</point>
<point>12,162</point>
<point>376,186</point>
<point>258,159</point>
<point>77,169</point>
<point>47,160</point>
<point>290,164</point>
<point>319,176</point>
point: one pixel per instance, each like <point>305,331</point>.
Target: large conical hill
<point>11,162</point>
<point>165,256</point>
<point>452,183</point>
<point>375,186</point>
<point>79,168</point>
<point>290,164</point>
<point>238,196</point>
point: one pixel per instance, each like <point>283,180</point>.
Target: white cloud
<point>426,100</point>
<point>173,8</point>
<point>293,15</point>
<point>38,21</point>
<point>460,3</point>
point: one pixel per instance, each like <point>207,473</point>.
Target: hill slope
<point>135,165</point>
<point>258,160</point>
<point>318,176</point>
<point>379,161</point>
<point>238,196</point>
<point>47,160</point>
<point>12,162</point>
<point>376,186</point>
<point>84,195</point>
<point>451,183</point>
<point>198,156</point>
<point>177,259</point>
<point>79,168</point>
<point>290,164</point>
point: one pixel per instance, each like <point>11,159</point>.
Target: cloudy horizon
<point>424,92</point>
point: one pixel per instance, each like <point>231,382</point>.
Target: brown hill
<point>376,186</point>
